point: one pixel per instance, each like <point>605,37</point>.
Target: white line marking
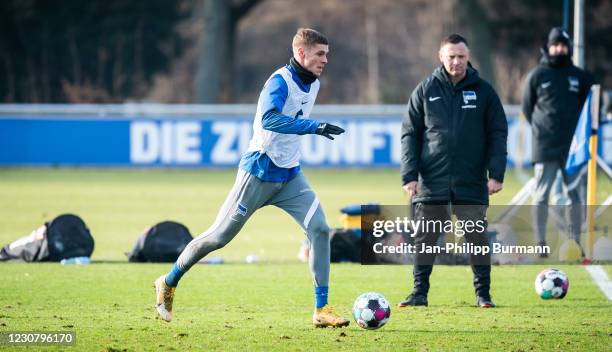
<point>600,277</point>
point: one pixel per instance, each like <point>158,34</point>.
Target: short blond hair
<point>308,37</point>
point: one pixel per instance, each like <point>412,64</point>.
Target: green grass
<point>265,306</point>
<point>118,205</point>
<point>268,307</point>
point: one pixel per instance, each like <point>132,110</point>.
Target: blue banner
<point>182,142</point>
<point>209,141</point>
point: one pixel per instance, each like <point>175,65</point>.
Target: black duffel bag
<point>161,243</point>
<point>66,236</point>
<point>345,245</point>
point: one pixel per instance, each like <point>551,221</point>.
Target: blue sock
<point>321,296</point>
<point>173,277</point>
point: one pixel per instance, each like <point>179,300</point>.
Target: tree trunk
<point>213,47</point>
<point>473,17</point>
<point>373,91</point>
<point>214,82</point>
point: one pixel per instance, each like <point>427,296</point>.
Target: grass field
<point>264,306</point>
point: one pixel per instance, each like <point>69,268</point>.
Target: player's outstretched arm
<point>327,129</point>
<point>276,122</point>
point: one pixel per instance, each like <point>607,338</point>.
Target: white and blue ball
<point>551,284</point>
<point>371,310</point>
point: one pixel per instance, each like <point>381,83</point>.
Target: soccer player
<point>269,174</point>
<point>453,157</point>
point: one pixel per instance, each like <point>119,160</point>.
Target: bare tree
<point>373,91</point>
<point>214,80</point>
<point>473,17</point>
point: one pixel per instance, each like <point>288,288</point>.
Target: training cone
<point>602,250</point>
<point>570,251</point>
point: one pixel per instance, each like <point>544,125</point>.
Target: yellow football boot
<point>165,296</point>
<point>324,317</point>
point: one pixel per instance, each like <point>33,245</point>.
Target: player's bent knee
<point>206,246</point>
<point>214,244</point>
<point>320,230</point>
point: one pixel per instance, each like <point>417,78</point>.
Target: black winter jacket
<point>553,97</point>
<point>453,139</point>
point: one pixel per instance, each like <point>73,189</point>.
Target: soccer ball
<point>551,283</point>
<point>371,310</point>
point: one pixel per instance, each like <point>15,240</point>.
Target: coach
<point>554,94</point>
<point>453,157</point>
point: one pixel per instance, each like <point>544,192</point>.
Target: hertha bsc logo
<point>468,95</point>
<point>242,210</point>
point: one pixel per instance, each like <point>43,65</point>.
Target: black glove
<point>327,129</point>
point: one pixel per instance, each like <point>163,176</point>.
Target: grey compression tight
<point>249,194</point>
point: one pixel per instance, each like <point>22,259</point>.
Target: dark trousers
<point>423,265</point>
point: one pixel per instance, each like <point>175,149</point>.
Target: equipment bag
<point>345,245</point>
<point>162,243</point>
<point>66,236</point>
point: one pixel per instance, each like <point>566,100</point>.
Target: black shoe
<point>484,302</point>
<point>543,254</point>
<point>414,300</point>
